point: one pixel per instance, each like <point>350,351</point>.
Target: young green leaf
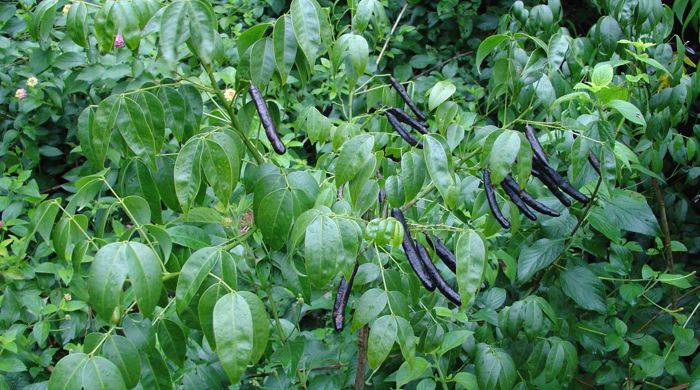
<point>471,264</point>
<point>234,334</point>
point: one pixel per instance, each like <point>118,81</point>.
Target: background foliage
<point>151,238</point>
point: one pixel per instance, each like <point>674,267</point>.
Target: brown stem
<point>361,358</point>
<point>667,235</point>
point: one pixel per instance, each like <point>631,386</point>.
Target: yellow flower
<point>32,81</point>
<point>66,8</point>
<point>229,93</point>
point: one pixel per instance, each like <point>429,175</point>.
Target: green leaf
<point>413,174</point>
<point>439,165</point>
<point>138,208</point>
<point>584,287</point>
<point>602,75</point>
<point>189,236</point>
<point>382,336</point>
<point>538,256</point>
<point>471,265</point>
<point>175,110</point>
<point>174,29</point>
<point>487,46</point>
<point>628,110</point>
<point>307,28</point>
<point>233,331</point>
<point>136,131</point>
<point>122,352</point>
<point>629,211</point>
<point>261,324</point>
<point>107,275</point>
<point>205,310</point>
<point>187,174</point>
<point>370,305</point>
<point>68,373</point>
<point>321,250</point>
<point>411,370</point>
<point>77,25</point>
<point>495,369</point>
<point>101,374</point>
<point>362,15</point>
<point>172,340</point>
<point>203,30</point>
<point>193,273</point>
<point>680,281</point>
<point>144,274</point>
<point>101,130</point>
<point>262,62</point>
<point>156,373</point>
<point>352,158</point>
<point>220,161</point>
<point>44,218</point>
<point>440,92</point>
<point>285,46</point>
<point>128,23</point>
<point>41,22</point>
<point>503,154</point>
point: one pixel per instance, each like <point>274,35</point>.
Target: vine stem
<point>393,28</point>
<point>232,116</point>
<point>668,250</point>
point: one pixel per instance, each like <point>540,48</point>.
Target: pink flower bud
<point>21,93</point>
<point>118,41</point>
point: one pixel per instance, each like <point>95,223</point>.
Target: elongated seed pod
<point>394,122</point>
<point>411,253</point>
<point>404,95</point>
<point>518,201</point>
<point>593,160</point>
<point>403,117</point>
<point>434,274</point>
<point>528,199</point>
<point>549,183</point>
<point>443,252</point>
<point>266,119</point>
<point>341,299</point>
<point>491,198</point>
<point>535,144</point>
<point>561,182</point>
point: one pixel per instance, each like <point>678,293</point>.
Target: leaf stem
<point>232,116</point>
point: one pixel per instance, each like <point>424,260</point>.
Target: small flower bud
<point>32,81</point>
<point>21,93</point>
<point>118,41</point>
<point>67,317</point>
<point>229,94</point>
<point>66,8</point>
<point>67,297</point>
<point>227,222</point>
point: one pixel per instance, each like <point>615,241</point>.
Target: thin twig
<point>445,62</point>
<point>361,358</point>
<point>668,250</point>
<point>393,28</point>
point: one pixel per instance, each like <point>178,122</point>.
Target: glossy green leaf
<point>439,165</point>
<point>584,287</point>
<point>440,92</point>
<point>101,374</point>
<point>205,310</point>
<point>471,265</point>
<point>307,28</point>
<point>203,30</point>
<point>285,46</point>
<point>495,369</point>
<point>107,276</point>
<point>68,372</point>
<point>122,352</point>
<point>172,340</point>
<point>382,336</point>
<point>144,275</point>
<point>262,62</point>
<point>261,324</point>
<point>193,273</point>
<point>352,157</point>
<point>174,29</point>
<point>538,256</point>
<point>188,174</point>
<point>487,46</point>
<point>629,111</point>
<point>503,154</point>
<point>77,24</point>
<point>321,247</point>
<point>234,334</point>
